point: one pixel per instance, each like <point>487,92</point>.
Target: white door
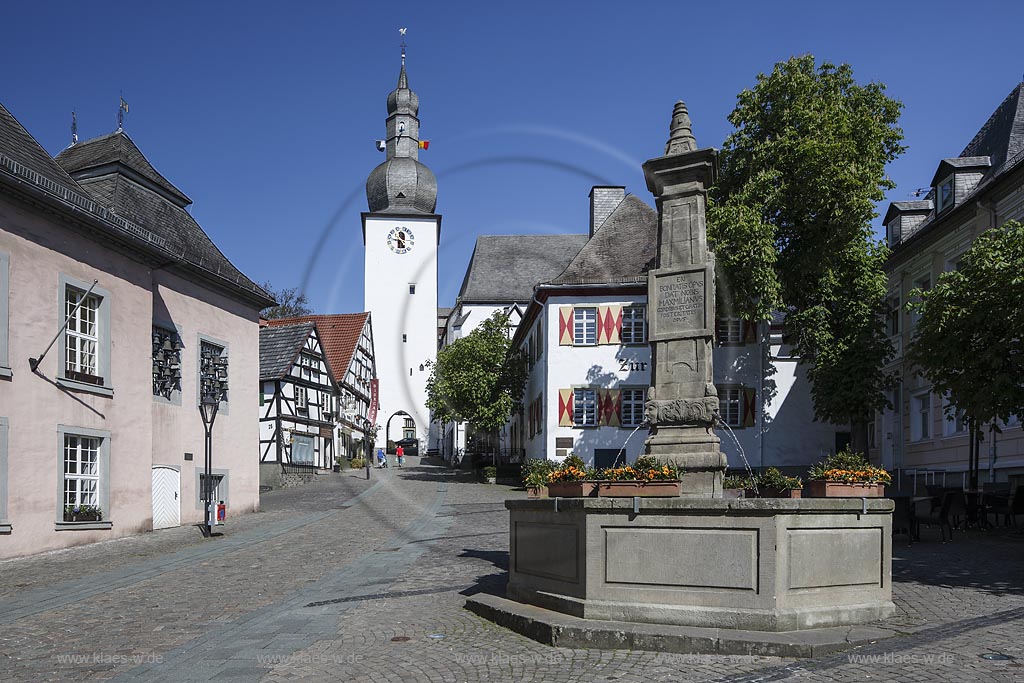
<point>166,497</point>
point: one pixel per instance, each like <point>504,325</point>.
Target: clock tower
<point>400,238</point>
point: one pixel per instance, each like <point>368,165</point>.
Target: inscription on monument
<point>680,302</point>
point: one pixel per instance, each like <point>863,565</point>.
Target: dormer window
<point>893,231</point>
<point>944,195</point>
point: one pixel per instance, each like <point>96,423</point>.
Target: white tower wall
<point>404,323</point>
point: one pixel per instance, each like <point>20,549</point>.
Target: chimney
<point>603,200</point>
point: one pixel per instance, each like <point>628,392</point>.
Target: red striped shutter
<point>565,326</point>
<point>565,407</point>
<point>749,412</point>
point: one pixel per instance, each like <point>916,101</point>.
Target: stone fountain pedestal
<point>750,564</point>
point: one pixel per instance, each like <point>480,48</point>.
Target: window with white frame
<point>921,416</point>
<point>633,325</point>
<point>944,197</point>
<point>584,408</point>
<point>892,316</point>
<point>81,471</point>
<point>301,400</point>
<point>892,229</point>
<point>82,336</point>
<point>954,419</point>
<point>584,326</point>
<point>730,405</point>
<point>730,331</point>
<point>83,461</point>
<point>633,407</point>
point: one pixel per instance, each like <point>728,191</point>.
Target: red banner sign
<point>374,390</point>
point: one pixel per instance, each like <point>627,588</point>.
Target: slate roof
<point>116,148</point>
<point>1002,136</point>
<point>104,169</point>
<point>507,267</point>
<point>16,143</point>
<point>918,205</point>
<point>280,346</point>
<point>622,249</point>
<point>339,336</point>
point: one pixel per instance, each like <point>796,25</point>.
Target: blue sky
<point>265,113</point>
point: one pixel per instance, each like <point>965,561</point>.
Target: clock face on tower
<point>400,240</point>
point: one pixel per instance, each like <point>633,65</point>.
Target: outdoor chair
<point>903,517</point>
<point>936,515</point>
<point>1008,507</point>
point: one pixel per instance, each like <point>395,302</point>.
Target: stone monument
<point>682,404</point>
<point>696,560</point>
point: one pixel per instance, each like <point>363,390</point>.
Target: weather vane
<point>402,32</point>
<point>122,109</point>
<point>74,128</point>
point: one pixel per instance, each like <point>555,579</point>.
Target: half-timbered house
<point>298,399</point>
<point>347,340</point>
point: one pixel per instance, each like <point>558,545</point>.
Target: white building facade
<point>584,334</point>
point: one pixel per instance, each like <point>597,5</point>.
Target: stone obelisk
<point>682,403</point>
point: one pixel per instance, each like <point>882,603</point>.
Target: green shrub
<point>358,463</point>
<point>490,472</point>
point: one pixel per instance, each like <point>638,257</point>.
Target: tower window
<point>405,338</point>
<point>412,289</point>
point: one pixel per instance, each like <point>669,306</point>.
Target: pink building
<point>100,433</point>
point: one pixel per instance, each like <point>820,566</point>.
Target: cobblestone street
<point>355,580</point>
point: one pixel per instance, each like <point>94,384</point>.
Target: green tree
<point>477,379</point>
<point>790,222</point>
<point>291,303</point>
<point>969,338</point>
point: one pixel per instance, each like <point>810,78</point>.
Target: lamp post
<point>213,379</point>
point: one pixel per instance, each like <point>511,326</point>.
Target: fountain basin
<point>751,564</point>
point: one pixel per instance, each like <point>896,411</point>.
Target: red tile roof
<point>339,337</point>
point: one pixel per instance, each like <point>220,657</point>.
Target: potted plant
<point>358,463</point>
<point>735,486</point>
<point>846,475</point>
<point>82,513</point>
<point>646,477</point>
<point>535,477</point>
<point>491,474</point>
<point>571,479</point>
<point>337,463</point>
<point>774,484</point>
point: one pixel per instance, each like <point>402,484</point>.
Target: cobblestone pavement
<point>349,580</point>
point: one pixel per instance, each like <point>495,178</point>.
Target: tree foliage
<point>477,379</point>
<point>969,338</point>
<point>790,222</point>
<point>291,303</point>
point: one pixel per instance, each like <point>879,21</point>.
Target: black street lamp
<point>213,389</point>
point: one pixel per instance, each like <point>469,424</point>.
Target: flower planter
<point>819,488</point>
<point>491,480</point>
<point>571,489</point>
<point>628,489</point>
<point>82,517</point>
<point>536,491</point>
<point>771,492</point>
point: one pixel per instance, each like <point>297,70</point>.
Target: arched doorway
<point>403,428</point>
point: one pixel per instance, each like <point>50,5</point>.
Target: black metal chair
<point>1008,507</point>
<point>938,514</point>
<point>903,517</point>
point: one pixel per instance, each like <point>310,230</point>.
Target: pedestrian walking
<point>382,459</point>
<point>400,454</point>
